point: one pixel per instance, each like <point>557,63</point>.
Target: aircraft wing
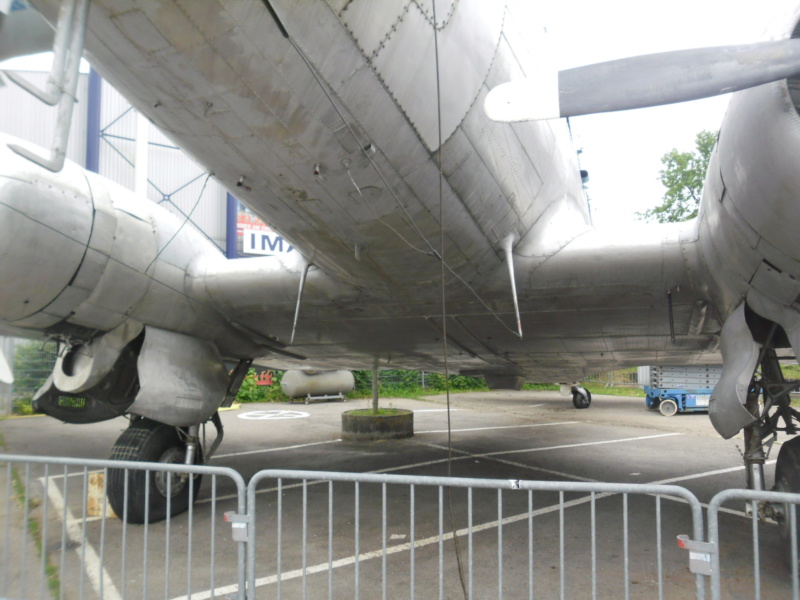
<point>606,299</point>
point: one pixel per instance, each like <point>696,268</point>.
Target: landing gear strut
<point>787,479</point>
<point>151,496</point>
<point>773,412</point>
<point>769,400</point>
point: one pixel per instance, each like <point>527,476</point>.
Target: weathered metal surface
<point>182,379</point>
<point>740,354</point>
<point>334,135</point>
<point>228,86</point>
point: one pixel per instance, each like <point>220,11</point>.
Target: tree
<point>683,176</point>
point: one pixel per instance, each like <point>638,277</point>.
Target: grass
<point>410,393</point>
<point>598,388</point>
<point>382,412</point>
<point>417,393</point>
<point>541,387</point>
<point>594,388</point>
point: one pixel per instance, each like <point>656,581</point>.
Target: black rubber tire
<point>581,401</point>
<point>150,441</point>
<point>668,407</point>
<point>787,479</point>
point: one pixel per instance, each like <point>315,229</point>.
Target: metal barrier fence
<point>772,551</point>
<point>309,534</point>
<point>60,538</point>
<point>381,536</point>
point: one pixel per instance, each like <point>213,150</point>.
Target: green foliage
<point>22,406</point>
<point>599,388</point>
<point>790,371</point>
<point>548,387</point>
<point>33,363</point>
<point>595,387</point>
<point>382,412</point>
<point>252,392</point>
<point>683,176</point>
<point>398,382</point>
<point>465,383</point>
<point>363,381</point>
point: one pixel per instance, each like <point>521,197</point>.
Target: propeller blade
<point>641,81</point>
<point>6,375</point>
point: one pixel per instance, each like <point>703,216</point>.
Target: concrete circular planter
<point>365,427</point>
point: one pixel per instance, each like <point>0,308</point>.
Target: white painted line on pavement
<point>579,445</point>
<point>264,450</point>
<point>513,463</point>
<point>389,470</point>
<point>99,578</point>
<point>497,427</point>
<point>729,511</point>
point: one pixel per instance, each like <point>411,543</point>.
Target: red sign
<point>247,220</point>
<point>265,378</point>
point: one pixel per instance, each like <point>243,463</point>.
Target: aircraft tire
<point>787,479</point>
<point>150,441</point>
<point>581,401</point>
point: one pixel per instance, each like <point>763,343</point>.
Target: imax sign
<point>266,243</point>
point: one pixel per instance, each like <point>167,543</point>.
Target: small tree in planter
<point>377,423</point>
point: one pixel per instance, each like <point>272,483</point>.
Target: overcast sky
<point>622,151</point>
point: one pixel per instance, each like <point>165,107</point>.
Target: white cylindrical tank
<point>300,384</point>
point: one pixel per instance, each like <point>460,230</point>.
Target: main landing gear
<point>769,400</point>
<point>150,496</point>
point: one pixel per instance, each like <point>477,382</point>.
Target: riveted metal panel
<point>474,29</point>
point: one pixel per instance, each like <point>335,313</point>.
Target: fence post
<point>7,389</point>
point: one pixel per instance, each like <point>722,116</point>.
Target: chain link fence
<point>620,377</point>
<point>32,362</point>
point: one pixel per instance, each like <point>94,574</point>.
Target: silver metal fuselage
<point>334,135</point>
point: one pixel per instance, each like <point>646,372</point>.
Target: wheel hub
<point>171,484</point>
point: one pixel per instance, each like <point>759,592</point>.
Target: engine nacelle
<point>46,232</point>
<point>301,384</point>
<point>81,256</point>
<point>165,376</point>
<point>78,250</point>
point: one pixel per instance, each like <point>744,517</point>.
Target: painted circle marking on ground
<point>274,415</point>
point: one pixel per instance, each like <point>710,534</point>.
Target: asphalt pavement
<point>507,436</point>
